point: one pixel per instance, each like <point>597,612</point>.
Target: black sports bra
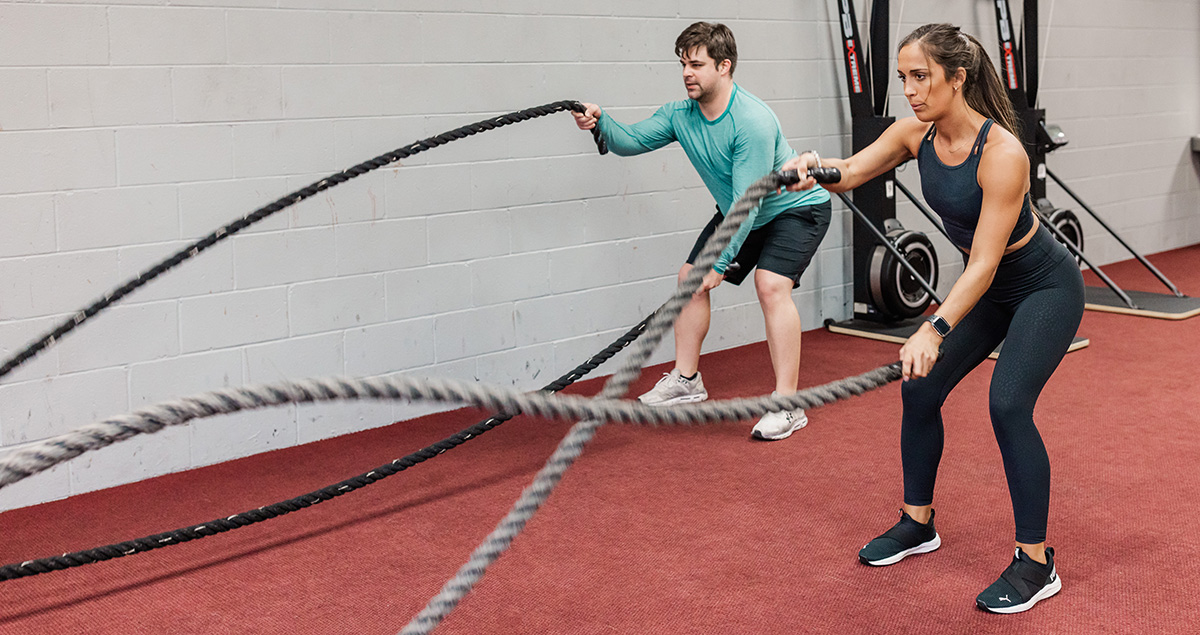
<point>953,191</point>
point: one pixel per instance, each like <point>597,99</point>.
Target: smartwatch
<point>940,325</point>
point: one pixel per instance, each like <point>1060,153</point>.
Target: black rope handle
<point>222,525</point>
<point>820,175</point>
<point>238,225</point>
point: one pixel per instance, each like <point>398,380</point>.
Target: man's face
<point>701,74</point>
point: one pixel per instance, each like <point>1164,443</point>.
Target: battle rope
<point>28,461</point>
<point>22,463</point>
<point>236,226</point>
<point>236,521</point>
<point>581,433</point>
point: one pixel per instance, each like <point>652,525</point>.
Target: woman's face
<point>928,91</point>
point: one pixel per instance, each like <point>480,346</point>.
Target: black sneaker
<point>1024,583</point>
<point>905,538</point>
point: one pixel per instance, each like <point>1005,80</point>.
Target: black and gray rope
<point>266,512</point>
<point>238,225</point>
<point>24,462</point>
<point>571,447</point>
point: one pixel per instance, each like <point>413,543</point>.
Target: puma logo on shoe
<point>1005,598</point>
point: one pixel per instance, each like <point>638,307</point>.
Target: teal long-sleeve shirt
<point>730,152</point>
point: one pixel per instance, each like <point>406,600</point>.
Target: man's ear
<point>724,66</point>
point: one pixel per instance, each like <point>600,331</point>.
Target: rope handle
<point>821,175</point>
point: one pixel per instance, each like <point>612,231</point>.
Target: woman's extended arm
<point>896,145</point>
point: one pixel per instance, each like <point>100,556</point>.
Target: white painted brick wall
<point>336,304</point>
<point>114,217</point>
<point>281,257</point>
<point>278,148</point>
<point>111,342</point>
<point>232,319</point>
<point>38,409</point>
<point>324,420</point>
<point>154,381</point>
<point>359,200</point>
<point>387,348</point>
<point>107,96</point>
<point>50,161</point>
<point>45,35</point>
<point>25,107</point>
<point>28,224</point>
<point>226,93</point>
<point>172,36</point>
<point>307,356</point>
<point>428,290</point>
<point>243,434</point>
<point>206,206</point>
<point>169,154</point>
<point>210,273</point>
<point>508,278</point>
<point>131,127</point>
<point>14,334</point>
<point>473,332</point>
<point>65,282</point>
<point>138,458</point>
<point>306,40</point>
<point>384,245</point>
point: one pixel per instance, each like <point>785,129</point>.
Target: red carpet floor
<point>676,530</point>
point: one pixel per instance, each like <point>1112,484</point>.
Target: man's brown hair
<point>716,38</point>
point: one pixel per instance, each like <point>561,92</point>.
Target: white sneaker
<point>779,425</point>
<point>674,389</point>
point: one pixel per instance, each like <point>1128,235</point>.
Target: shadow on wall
<point>1195,145</point>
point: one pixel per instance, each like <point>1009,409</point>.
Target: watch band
<point>940,325</point>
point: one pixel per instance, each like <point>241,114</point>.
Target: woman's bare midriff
<point>1020,243</point>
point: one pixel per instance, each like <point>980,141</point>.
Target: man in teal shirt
<point>732,139</point>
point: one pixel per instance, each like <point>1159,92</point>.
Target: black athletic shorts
<point>784,246</point>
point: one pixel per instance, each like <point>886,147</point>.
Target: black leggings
<point>1034,306</point>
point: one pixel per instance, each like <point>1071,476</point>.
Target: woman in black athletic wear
<point>1019,286</point>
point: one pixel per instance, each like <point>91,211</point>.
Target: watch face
<point>940,325</point>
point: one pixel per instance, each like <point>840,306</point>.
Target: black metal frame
<point>1020,76</point>
<point>874,202</point>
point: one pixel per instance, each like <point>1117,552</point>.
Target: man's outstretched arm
<point>625,139</point>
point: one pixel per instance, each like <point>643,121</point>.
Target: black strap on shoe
<point>1027,577</point>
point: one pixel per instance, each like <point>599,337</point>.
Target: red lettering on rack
<point>1010,66</point>
<point>852,56</point>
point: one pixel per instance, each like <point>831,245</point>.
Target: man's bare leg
<point>783,328</point>
<point>690,329</point>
